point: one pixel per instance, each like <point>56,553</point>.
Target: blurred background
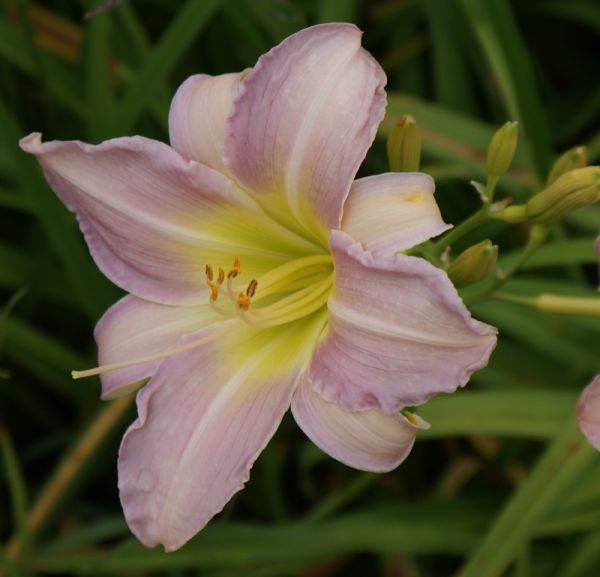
<point>500,484</point>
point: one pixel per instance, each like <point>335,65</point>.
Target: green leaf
<point>15,49</point>
<point>559,253</point>
<point>92,290</point>
<point>528,414</point>
<point>553,476</point>
<point>16,483</point>
<point>181,32</point>
<point>98,90</point>
<point>581,11</point>
<point>45,357</point>
<point>498,35</point>
<point>236,545</point>
<point>337,11</point>
<point>452,83</point>
<point>584,558</point>
<point>539,333</point>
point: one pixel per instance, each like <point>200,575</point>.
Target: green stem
<point>537,236</point>
<point>490,189</point>
<point>482,215</point>
<point>460,230</point>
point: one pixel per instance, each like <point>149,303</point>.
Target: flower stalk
<point>556,304</point>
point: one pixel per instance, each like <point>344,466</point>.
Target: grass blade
<point>182,31</point>
<point>497,32</point>
<point>93,291</point>
<point>15,482</point>
<point>552,477</point>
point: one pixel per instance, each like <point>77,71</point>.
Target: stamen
<point>243,302</point>
<point>288,269</point>
<point>214,291</point>
<point>235,269</point>
<point>251,290</point>
<point>230,293</point>
<point>291,308</point>
<point>215,307</point>
<point>302,286</point>
<point>113,366</point>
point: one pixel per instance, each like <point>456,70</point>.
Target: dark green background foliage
<point>501,482</point>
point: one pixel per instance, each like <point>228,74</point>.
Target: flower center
<point>286,293</point>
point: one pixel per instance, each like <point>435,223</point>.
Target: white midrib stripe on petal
<point>367,323</point>
<point>227,393</point>
<point>294,166</point>
<point>181,233</point>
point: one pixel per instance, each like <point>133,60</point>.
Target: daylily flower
<point>588,412</point>
<point>261,275</point>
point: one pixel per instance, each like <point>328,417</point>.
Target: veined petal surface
<point>153,220</point>
<point>134,328</point>
<point>203,419</point>
<point>197,117</point>
<point>390,212</point>
<point>588,412</point>
<point>367,440</point>
<point>304,119</point>
<point>398,332</point>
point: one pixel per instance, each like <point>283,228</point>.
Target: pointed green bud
<point>573,158</point>
<point>501,150</point>
<point>474,264</point>
<point>404,146</point>
<point>572,190</point>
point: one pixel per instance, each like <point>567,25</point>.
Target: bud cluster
<point>572,190</point>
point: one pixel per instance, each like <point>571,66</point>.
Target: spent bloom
<point>261,274</point>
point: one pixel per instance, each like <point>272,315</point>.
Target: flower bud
<point>474,264</point>
<point>501,150</point>
<point>404,146</point>
<point>573,158</point>
<point>572,190</point>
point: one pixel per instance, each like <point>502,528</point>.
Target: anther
<point>243,301</point>
<point>209,272</point>
<point>251,290</point>
<point>235,269</point>
<point>221,276</point>
<point>214,291</point>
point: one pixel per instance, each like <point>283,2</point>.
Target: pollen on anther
<point>214,291</point>
<point>243,301</point>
